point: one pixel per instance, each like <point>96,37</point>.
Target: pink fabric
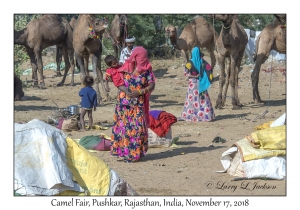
<point>103,145</point>
<point>139,60</point>
<point>60,122</point>
<point>138,57</point>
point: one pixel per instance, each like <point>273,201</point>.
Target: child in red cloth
<point>112,73</point>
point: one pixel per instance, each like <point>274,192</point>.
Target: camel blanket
<point>248,152</point>
<point>269,138</point>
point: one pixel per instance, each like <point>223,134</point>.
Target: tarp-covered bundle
<point>262,154</point>
<point>47,162</point>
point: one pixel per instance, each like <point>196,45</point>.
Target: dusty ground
<point>189,168</point>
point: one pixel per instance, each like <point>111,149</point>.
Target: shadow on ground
<point>33,108</point>
<point>179,151</point>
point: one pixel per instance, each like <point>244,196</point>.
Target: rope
<point>214,31</point>
<point>265,112</point>
<point>112,40</point>
<point>104,47</point>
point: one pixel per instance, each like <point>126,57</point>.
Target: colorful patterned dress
<point>197,107</point>
<point>129,132</point>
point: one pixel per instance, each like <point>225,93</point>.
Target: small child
<point>112,73</point>
<point>88,101</point>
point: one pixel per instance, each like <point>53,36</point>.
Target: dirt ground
<point>190,168</point>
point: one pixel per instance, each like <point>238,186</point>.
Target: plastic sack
<point>40,160</point>
<point>156,141</point>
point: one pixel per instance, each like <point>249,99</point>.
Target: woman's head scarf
<point>203,82</point>
<point>138,57</point>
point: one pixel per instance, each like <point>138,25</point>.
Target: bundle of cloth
<point>161,122</point>
<point>261,154</point>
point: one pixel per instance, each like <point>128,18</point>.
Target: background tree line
<point>147,28</point>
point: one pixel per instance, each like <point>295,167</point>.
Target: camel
<point>39,34</point>
<point>87,36</point>
<point>272,37</point>
<point>196,33</point>
<point>18,90</point>
<point>119,32</point>
<point>230,44</point>
<point>71,53</point>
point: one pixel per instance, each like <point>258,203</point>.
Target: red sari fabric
<point>162,125</point>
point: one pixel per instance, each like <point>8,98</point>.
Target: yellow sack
<point>263,126</point>
<point>269,138</point>
<point>90,172</point>
<point>97,127</point>
<point>248,152</point>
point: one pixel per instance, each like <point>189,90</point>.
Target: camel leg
<point>233,81</point>
<point>261,58</point>
<point>237,70</point>
<point>80,62</point>
<point>212,58</point>
<point>115,50</point>
<point>33,66</point>
<point>72,62</point>
<point>185,54</point>
<point>38,55</point>
<point>67,66</point>
<point>221,61</point>
<point>86,64</point>
<point>226,82</point>
<point>262,53</point>
<point>58,60</point>
<point>100,75</point>
<point>96,78</point>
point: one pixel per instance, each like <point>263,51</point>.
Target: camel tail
<point>256,48</point>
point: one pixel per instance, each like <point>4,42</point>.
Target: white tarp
<point>280,121</point>
<point>251,46</point>
<point>40,159</point>
<point>270,167</point>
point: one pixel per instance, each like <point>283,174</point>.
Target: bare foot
<point>81,130</point>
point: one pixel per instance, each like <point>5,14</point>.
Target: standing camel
<point>70,51</point>
<point>272,37</point>
<point>119,32</point>
<point>197,33</point>
<point>87,36</point>
<point>39,34</point>
<point>231,44</point>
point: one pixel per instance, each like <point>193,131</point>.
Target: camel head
<point>20,37</point>
<point>99,25</point>
<point>123,20</point>
<point>171,32</point>
<point>225,19</point>
<point>281,18</point>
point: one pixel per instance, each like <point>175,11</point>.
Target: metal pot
<point>73,109</point>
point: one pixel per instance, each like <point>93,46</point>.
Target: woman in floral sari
<point>129,132</point>
<point>197,106</point>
